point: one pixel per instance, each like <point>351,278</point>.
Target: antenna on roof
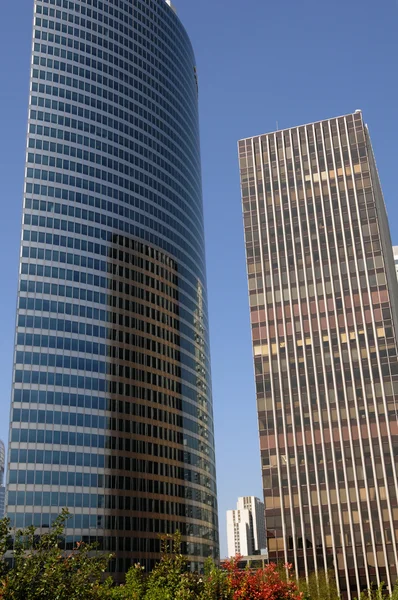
<point>277,126</point>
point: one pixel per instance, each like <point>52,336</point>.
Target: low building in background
<point>246,527</point>
<point>254,562</point>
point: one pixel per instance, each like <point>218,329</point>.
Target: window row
<point>45,520</point>
<point>55,478</point>
<point>158,283</point>
<point>120,406</point>
<point>55,499</point>
<point>83,311</point>
<point>187,242</point>
<point>163,159</point>
<point>126,227</point>
<point>130,543</point>
<point>78,310</point>
<point>58,175</point>
<point>160,46</point>
<point>143,411</point>
<point>112,62</point>
<point>109,404</point>
<point>58,379</point>
<point>166,451</point>
<point>91,14</point>
<point>121,463</point>
<point>62,343</point>
<point>113,424</point>
<point>67,419</point>
<point>94,264</point>
<point>76,327</point>
<point>154,505</point>
<point>57,457</point>
<point>113,251</point>
<point>168,488</point>
<point>82,9</point>
<point>87,347</point>
<point>127,503</point>
<point>148,14</point>
<point>61,399</point>
<point>128,408</point>
<point>154,82</point>
<point>161,62</point>
<point>53,289</point>
<point>114,387</point>
<point>169,120</point>
<point>176,142</point>
<point>158,177</point>
<point>65,438</point>
<point>61,361</point>
<point>134,484</point>
<point>85,364</point>
<point>117,335</point>
<point>117,145</point>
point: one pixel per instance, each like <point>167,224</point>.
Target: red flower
<point>261,584</point>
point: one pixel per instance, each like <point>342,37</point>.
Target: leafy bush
<point>319,586</point>
<point>380,593</point>
<point>43,570</point>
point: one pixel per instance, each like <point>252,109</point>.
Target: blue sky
<point>259,63</point>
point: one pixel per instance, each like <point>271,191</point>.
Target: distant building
<point>257,561</point>
<point>246,527</point>
<point>2,488</point>
<point>395,249</point>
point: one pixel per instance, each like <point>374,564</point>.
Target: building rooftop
<point>171,6</point>
<point>358,111</point>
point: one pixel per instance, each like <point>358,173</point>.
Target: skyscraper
<point>323,304</point>
<point>112,408</point>
<point>246,527</point>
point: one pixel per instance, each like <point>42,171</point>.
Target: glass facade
<point>323,296</point>
<point>112,410</point>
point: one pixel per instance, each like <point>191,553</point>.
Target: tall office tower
<point>323,304</point>
<point>246,527</point>
<point>2,488</point>
<point>112,407</point>
<point>395,250</point>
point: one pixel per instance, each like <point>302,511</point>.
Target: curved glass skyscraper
<point>112,408</point>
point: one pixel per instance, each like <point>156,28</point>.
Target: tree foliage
<point>380,593</point>
<point>172,580</point>
<point>319,586</point>
<point>42,569</point>
<point>262,584</point>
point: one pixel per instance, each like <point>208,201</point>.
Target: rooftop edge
<point>250,137</point>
